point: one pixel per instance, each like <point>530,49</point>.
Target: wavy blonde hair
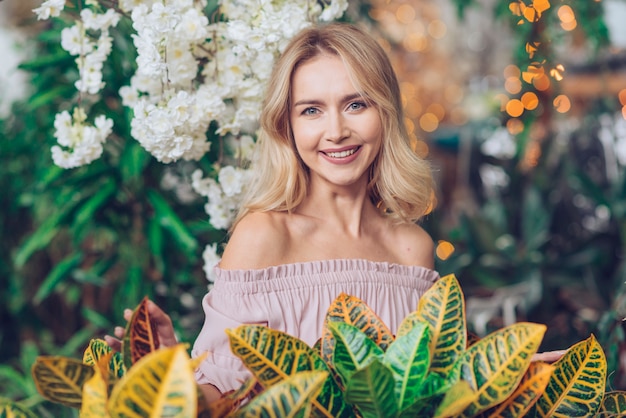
<point>400,183</point>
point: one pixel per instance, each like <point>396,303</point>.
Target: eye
<point>309,111</point>
<point>354,106</point>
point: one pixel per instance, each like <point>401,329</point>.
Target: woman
<point>333,207</point>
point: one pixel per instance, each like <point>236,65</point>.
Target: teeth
<point>342,154</point>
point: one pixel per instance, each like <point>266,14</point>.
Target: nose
<point>337,129</point>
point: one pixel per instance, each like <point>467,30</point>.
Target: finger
<point>119,332</point>
<point>549,356</point>
<point>128,314</point>
<point>165,329</point>
<point>114,343</point>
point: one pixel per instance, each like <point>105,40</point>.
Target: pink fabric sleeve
<point>224,310</point>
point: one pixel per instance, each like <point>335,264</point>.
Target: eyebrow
<point>344,99</point>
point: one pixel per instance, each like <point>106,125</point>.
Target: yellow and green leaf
<point>161,383</point>
<point>272,356</point>
<point>577,384</point>
<point>97,349</point>
<point>456,399</point>
<point>495,365</point>
<point>372,390</point>
<point>442,307</point>
<point>408,359</point>
<point>613,405</point>
<point>11,409</point>
<point>61,379</point>
<point>95,393</point>
<point>140,337</point>
<point>529,390</point>
<point>352,310</point>
<point>292,397</point>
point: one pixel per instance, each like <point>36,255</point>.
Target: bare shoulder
<point>415,246</point>
<point>256,242</point>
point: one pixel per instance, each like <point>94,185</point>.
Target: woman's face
<point>337,133</point>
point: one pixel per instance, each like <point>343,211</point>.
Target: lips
<point>343,153</point>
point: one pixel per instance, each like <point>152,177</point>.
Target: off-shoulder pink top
<point>294,298</point>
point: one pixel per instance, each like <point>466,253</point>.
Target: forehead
<point>324,73</point>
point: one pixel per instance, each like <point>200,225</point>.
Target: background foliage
<point>79,245</point>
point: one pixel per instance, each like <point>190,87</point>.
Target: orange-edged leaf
<point>292,397</point>
<point>95,392</point>
<point>11,409</point>
<point>442,307</point>
<point>495,365</point>
<point>160,384</point>
<point>529,390</point>
<point>613,405</point>
<point>140,337</point>
<point>577,384</point>
<point>353,311</point>
<point>273,355</point>
<point>61,379</point>
<point>230,401</point>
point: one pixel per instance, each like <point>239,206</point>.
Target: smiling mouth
<point>342,154</point>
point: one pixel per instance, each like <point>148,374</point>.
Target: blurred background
<point>520,106</point>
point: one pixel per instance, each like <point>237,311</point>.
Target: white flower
<point>334,10</point>
<point>231,180</point>
<point>211,259</point>
<point>49,8</point>
<point>97,21</point>
<point>84,142</point>
<point>75,41</point>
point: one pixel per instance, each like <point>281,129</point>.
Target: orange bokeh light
<point>530,100</point>
<point>562,103</point>
<point>514,108</point>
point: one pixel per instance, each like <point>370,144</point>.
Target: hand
<point>549,356</point>
<point>161,321</point>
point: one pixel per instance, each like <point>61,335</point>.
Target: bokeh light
<point>562,103</point>
<point>514,108</point>
<point>444,249</point>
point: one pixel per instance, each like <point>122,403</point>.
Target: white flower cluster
<point>84,141</point>
<point>190,73</point>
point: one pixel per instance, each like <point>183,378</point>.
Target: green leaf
<point>353,349</point>
<point>577,384</point>
<point>409,360</point>
<point>442,307</point>
<point>495,365</point>
<point>59,272</point>
<point>171,222</point>
<point>86,211</point>
<point>133,161</point>
<point>48,96</point>
<point>371,390</point>
<point>613,405</point>
<point>11,409</point>
<point>273,355</point>
<point>46,61</point>
<point>291,398</point>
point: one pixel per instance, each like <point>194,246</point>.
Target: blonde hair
<point>400,182</point>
